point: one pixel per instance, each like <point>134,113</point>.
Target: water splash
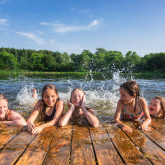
<point>101,95</point>
<point>24,97</point>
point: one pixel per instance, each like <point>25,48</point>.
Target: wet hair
<point>2,96</point>
<point>133,89</point>
<point>77,89</point>
<point>49,86</point>
<point>162,103</point>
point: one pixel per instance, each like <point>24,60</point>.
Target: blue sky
<point>74,25</point>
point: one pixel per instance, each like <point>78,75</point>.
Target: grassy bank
<point>156,74</point>
<point>37,72</point>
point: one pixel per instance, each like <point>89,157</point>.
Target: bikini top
<point>45,117</point>
<point>127,115</point>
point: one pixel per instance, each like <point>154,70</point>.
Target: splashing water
<point>101,95</point>
<point>24,97</point>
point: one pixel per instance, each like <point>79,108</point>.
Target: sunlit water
<point>102,93</point>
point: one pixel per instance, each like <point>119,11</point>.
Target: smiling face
<point>3,108</point>
<point>125,96</point>
<point>76,97</point>
<point>155,106</point>
<point>50,97</point>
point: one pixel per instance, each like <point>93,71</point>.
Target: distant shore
<point>155,74</point>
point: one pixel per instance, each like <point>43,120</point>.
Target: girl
<point>50,107</point>
<point>8,116</point>
<point>157,107</point>
<point>78,112</point>
<point>131,106</point>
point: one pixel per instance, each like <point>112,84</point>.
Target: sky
<point>75,25</point>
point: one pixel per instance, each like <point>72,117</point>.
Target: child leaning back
<point>131,106</point>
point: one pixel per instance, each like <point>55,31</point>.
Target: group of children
<point>130,106</point>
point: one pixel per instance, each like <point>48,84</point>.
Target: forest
<point>102,60</point>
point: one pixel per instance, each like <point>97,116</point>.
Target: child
<point>78,112</point>
<point>131,106</point>
<point>157,107</point>
<point>8,116</point>
<point>50,107</point>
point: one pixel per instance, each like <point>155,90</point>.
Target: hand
<point>143,126</point>
<point>70,105</point>
<point>83,102</point>
<point>37,129</point>
<point>126,128</point>
<point>31,127</point>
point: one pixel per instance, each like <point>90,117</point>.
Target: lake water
<point>102,93</point>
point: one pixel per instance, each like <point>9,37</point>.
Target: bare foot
<point>34,93</point>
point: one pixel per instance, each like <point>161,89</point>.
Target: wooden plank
<point>59,152</point>
<point>15,148</point>
<point>7,134</point>
<point>154,153</point>
<point>159,124</point>
<point>129,152</point>
<point>156,136</point>
<point>38,149</point>
<point>104,149</point>
<point>82,150</point>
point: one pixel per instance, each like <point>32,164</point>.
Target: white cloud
<point>3,1</point>
<point>61,28</point>
<point>3,21</point>
<point>32,36</point>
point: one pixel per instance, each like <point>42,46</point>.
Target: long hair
<point>162,103</point>
<point>133,89</point>
<point>47,86</point>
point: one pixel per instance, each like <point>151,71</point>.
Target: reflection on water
<point>102,92</point>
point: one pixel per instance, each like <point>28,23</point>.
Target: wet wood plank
<point>106,144</point>
<point>7,133</point>
<point>154,153</point>
<point>82,150</point>
<point>104,149</point>
<point>15,148</point>
<point>159,124</point>
<point>59,152</point>
<point>129,152</point>
<point>38,148</point>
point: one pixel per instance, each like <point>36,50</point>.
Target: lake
<point>102,92</point>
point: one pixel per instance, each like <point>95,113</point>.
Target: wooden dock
<point>78,145</point>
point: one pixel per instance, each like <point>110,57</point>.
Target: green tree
<point>37,61</point>
<point>7,61</point>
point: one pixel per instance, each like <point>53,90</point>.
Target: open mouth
<point>151,109</point>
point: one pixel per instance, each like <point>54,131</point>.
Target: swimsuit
<point>126,115</point>
<point>45,117</point>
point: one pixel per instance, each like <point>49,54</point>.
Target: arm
<point>89,114</point>
<point>147,121</point>
<point>117,117</point>
<point>65,118</point>
<point>15,119</point>
<point>57,115</point>
<point>30,122</point>
<point>91,117</point>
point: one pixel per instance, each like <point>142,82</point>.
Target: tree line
<point>101,60</point>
